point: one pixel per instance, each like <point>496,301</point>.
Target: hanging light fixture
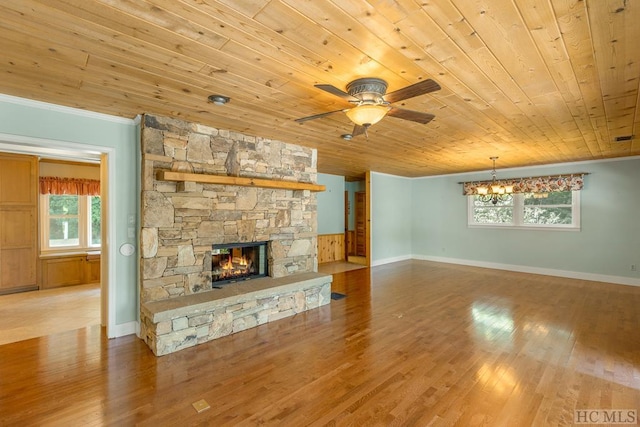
<point>494,192</point>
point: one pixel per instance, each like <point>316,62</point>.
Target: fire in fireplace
<point>233,262</point>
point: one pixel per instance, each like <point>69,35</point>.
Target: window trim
<point>84,226</point>
<point>518,214</point>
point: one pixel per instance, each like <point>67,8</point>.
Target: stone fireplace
<point>187,228</point>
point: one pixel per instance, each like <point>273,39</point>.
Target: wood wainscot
<point>59,270</point>
<point>330,248</point>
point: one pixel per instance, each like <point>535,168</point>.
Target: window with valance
<point>550,202</point>
<point>70,212</point>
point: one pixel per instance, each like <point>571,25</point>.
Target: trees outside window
<point>70,221</point>
<point>95,234</point>
<point>555,210</point>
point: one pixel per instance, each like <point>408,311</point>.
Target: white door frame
<point>75,151</point>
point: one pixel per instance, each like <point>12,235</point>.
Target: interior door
<point>361,221</point>
<point>347,243</point>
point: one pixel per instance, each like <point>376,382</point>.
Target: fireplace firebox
<point>234,262</point>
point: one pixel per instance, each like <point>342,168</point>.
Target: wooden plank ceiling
<point>533,82</point>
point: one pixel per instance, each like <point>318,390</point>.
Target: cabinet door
<point>18,180</point>
<point>17,251</point>
<point>92,270</point>
<point>18,223</point>
<point>63,271</point>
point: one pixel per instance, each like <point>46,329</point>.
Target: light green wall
<point>410,217</point>
<point>607,244</point>
<point>391,218</point>
<point>65,126</point>
<point>331,204</point>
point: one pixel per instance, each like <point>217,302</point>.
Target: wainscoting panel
<point>330,248</point>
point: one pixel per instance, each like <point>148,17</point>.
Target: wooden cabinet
<point>69,270</point>
<point>62,271</point>
<point>92,269</point>
<point>18,223</point>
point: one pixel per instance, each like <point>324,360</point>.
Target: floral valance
<point>69,186</point>
<point>538,184</point>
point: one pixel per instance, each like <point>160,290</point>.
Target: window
<point>70,222</point>
<point>555,210</point>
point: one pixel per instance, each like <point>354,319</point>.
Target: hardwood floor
<point>338,267</point>
<point>414,343</point>
<point>39,313</point>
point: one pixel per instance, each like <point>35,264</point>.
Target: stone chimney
<point>181,220</point>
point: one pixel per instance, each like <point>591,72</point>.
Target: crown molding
<point>66,110</point>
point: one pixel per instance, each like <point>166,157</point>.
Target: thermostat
<point>127,249</point>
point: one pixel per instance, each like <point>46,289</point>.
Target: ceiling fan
<point>372,103</point>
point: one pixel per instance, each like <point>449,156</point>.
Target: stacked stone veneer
<point>179,323</point>
<point>181,220</point>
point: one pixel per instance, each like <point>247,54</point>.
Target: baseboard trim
<point>390,260</point>
<point>125,329</point>
<point>620,280</point>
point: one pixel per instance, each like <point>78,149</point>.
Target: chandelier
<point>494,192</point>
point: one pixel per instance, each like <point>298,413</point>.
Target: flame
<point>229,264</point>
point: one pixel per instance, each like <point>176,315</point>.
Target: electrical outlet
<point>201,405</point>
<point>633,267</point>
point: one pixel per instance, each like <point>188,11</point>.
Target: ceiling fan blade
<point>358,130</point>
<point>337,92</point>
<point>414,116</point>
<point>416,89</point>
<point>317,116</point>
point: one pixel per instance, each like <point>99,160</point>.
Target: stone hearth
<point>181,220</point>
<point>177,323</point>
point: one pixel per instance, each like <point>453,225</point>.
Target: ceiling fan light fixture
<point>367,114</point>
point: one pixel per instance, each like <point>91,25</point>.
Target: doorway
<point>357,221</point>
<point>97,294</point>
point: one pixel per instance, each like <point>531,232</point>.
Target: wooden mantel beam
<point>234,180</point>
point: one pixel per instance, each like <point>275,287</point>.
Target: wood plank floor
<point>414,343</point>
<point>338,267</point>
<point>39,313</point>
